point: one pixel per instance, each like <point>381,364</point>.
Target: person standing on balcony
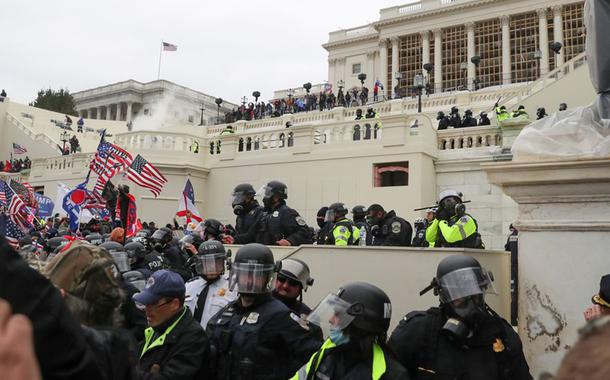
<point>468,121</point>
<point>483,119</point>
<point>501,113</point>
<point>79,125</point>
<point>343,231</point>
<point>443,121</point>
<point>455,120</point>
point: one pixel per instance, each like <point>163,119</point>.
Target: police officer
<point>292,280</point>
<point>420,233</point>
<point>443,120</point>
<point>209,292</point>
<point>248,211</point>
<point>358,317</point>
<point>228,130</point>
<point>469,121</point>
<point>520,111</point>
<point>563,106</point>
<point>213,229</point>
<point>359,215</point>
<point>540,113</point>
<point>387,228</point>
<point>343,231</point>
<point>281,225</point>
<point>483,119</point>
<point>162,243</point>
<point>463,338</point>
<point>322,234</point>
<point>501,113</point>
<point>453,227</point>
<point>257,336</point>
<point>145,262</point>
<point>454,119</point>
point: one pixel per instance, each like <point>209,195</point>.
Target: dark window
<point>391,174</point>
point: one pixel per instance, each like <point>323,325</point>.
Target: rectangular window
<point>524,50</point>
<point>573,30</point>
<point>488,42</point>
<point>409,62</point>
<point>391,174</point>
<point>356,68</point>
<point>455,61</point>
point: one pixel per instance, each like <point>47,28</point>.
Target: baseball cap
<point>162,283</point>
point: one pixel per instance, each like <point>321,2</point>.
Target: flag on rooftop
<point>19,149</point>
<point>169,47</point>
<point>144,174</point>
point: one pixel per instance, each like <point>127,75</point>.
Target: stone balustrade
<point>157,140</point>
<point>61,166</point>
<point>471,137</point>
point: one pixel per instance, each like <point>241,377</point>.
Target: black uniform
<point>283,223</point>
<point>302,310</point>
<point>322,235</point>
<point>469,121</point>
<point>176,261</point>
<point>494,351</point>
<point>420,238</point>
<point>455,121</point>
<point>512,245</point>
<point>263,341</point>
<point>245,225</point>
<point>443,123</point>
<point>484,120</point>
<point>393,230</point>
<point>181,355</point>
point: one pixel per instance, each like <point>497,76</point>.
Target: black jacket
<point>283,223</point>
<point>420,346</point>
<point>265,341</point>
<point>246,225</point>
<point>183,354</point>
<point>393,230</point>
<point>59,344</point>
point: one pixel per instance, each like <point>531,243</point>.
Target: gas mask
<point>158,246</point>
<point>464,317</point>
<point>268,203</point>
<point>239,209</point>
<point>372,220</point>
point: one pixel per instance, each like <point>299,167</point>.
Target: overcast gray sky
<point>225,48</point>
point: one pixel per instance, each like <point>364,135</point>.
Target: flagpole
<point>160,54</point>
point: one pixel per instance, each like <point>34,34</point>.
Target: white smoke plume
<point>160,114</point>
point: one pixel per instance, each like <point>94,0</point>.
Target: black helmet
<point>521,107</point>
<point>335,210</point>
<point>253,268</point>
<point>468,112</point>
<point>135,250</point>
<point>357,304</point>
<point>95,238</point>
<point>454,109</point>
<point>459,276</point>
<point>210,260</point>
<point>241,194</point>
<point>213,227</point>
<point>440,115</point>
<point>358,111</point>
<point>359,210</point>
<point>276,188</point>
<point>245,189</point>
<point>163,235</point>
<point>112,246</point>
<point>563,106</point>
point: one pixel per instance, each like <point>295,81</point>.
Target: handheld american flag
<point>144,174</point>
<point>10,231</point>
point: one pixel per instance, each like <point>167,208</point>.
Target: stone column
<point>129,109</point>
<point>506,69</point>
<point>118,112</point>
<point>98,116</point>
<point>438,61</point>
<point>558,34</point>
<point>331,69</point>
<point>469,54</point>
<point>425,50</point>
<point>383,70</point>
<point>90,112</point>
<point>395,67</point>
<point>543,33</point>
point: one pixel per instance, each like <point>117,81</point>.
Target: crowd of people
<point>454,120</point>
<point>174,303</point>
<point>15,165</point>
<point>325,100</point>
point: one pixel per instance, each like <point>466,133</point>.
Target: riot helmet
<point>271,189</point>
<point>563,106</point>
<point>448,200</point>
<point>95,238</point>
<point>210,259</point>
<point>241,195</point>
<point>121,260</point>
<point>161,237</point>
<point>135,250</point>
<point>253,269</point>
<point>454,110</point>
<point>135,278</point>
<point>296,270</point>
<point>358,304</point>
<point>112,246</point>
<point>468,112</point>
<point>210,229</point>
<point>335,210</point>
<point>440,115</point>
<point>321,216</point>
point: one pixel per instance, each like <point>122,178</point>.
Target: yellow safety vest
<point>378,369</point>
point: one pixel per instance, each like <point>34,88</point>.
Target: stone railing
<point>158,140</point>
<point>470,137</point>
<point>61,165</point>
<point>31,133</point>
<point>416,7</point>
<point>346,34</point>
<point>543,82</point>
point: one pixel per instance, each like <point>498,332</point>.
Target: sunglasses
<point>290,281</point>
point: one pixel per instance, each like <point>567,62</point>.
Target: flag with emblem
<point>186,204</point>
<point>146,175</point>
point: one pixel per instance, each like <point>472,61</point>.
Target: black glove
<point>442,214</point>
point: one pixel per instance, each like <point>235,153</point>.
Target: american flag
<point>144,174</point>
<point>2,193</point>
<point>108,161</point>
<point>10,231</point>
<point>25,191</point>
<point>17,209</point>
<point>18,149</point>
<point>169,47</point>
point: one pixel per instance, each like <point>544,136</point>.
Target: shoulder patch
<point>300,221</point>
<point>342,229</point>
<point>396,227</point>
<point>300,321</point>
<point>464,219</point>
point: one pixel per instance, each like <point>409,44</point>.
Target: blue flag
<point>188,191</point>
<point>72,204</point>
<point>45,206</point>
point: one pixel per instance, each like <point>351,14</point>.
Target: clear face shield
<point>122,261</point>
<point>251,277</point>
<point>211,265</point>
<point>464,283</point>
<point>264,192</point>
<point>331,313</point>
<point>330,216</point>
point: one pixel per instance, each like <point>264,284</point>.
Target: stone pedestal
<point>564,235</point>
<point>510,130</point>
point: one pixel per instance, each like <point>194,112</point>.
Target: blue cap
<point>162,283</point>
